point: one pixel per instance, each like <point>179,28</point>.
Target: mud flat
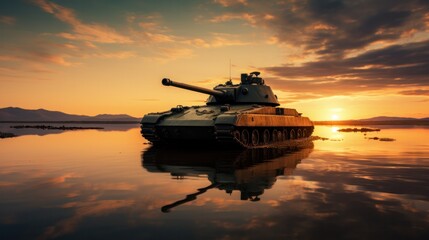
<point>383,139</point>
<point>359,130</point>
<point>314,138</point>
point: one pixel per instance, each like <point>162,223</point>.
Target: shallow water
<point>88,184</point>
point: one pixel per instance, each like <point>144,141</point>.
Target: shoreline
<point>346,122</point>
<point>76,122</point>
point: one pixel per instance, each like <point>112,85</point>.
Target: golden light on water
<point>335,135</point>
<point>75,180</point>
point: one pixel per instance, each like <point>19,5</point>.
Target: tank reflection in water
<point>250,171</point>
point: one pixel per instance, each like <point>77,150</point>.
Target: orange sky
<point>328,59</point>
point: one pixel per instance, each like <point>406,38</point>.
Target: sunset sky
<point>329,59</point>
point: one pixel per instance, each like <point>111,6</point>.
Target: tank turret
<point>251,90</point>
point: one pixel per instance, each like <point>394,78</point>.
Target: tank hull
<point>248,126</point>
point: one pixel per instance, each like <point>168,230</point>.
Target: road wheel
<point>279,136</point>
<point>285,135</point>
<point>236,135</point>
<point>266,136</point>
<point>292,134</point>
<point>299,133</point>
<point>274,135</point>
<point>304,133</point>
<point>245,138</point>
<point>255,137</point>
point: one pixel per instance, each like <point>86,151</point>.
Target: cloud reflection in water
<point>93,184</point>
<point>248,171</point>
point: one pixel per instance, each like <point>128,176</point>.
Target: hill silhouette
<point>15,114</point>
<point>381,120</point>
<point>385,118</point>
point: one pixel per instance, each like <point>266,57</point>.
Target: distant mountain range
<point>381,120</point>
<point>14,114</point>
<point>384,118</point>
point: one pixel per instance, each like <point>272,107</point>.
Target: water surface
<point>88,184</point>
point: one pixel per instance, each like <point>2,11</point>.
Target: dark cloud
<point>415,92</point>
<point>296,96</point>
<point>332,27</point>
<point>391,67</point>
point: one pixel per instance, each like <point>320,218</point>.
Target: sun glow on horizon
<point>335,117</point>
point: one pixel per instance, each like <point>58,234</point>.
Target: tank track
<point>224,135</point>
<point>148,132</point>
<point>227,135</point>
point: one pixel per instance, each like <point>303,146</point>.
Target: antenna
<point>230,69</point>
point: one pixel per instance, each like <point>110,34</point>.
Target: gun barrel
<point>168,82</point>
<point>189,198</point>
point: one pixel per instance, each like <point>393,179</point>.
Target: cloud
<point>159,37</point>
<point>8,58</point>
<point>10,74</point>
<point>396,66</point>
<point>422,92</point>
<point>117,55</point>
<point>143,31</point>
<point>4,184</point>
<point>7,20</point>
<point>342,46</point>
<point>228,3</point>
<point>82,31</point>
<point>250,18</point>
<point>40,55</point>
<point>296,96</point>
<point>217,40</point>
<point>36,51</point>
<point>150,30</point>
<point>332,27</point>
<point>51,58</point>
<point>89,45</point>
<point>168,54</point>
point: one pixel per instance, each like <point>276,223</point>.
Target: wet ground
<point>88,184</point>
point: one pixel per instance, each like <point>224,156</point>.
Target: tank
<point>245,115</point>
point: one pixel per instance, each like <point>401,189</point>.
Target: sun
<point>334,117</point>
